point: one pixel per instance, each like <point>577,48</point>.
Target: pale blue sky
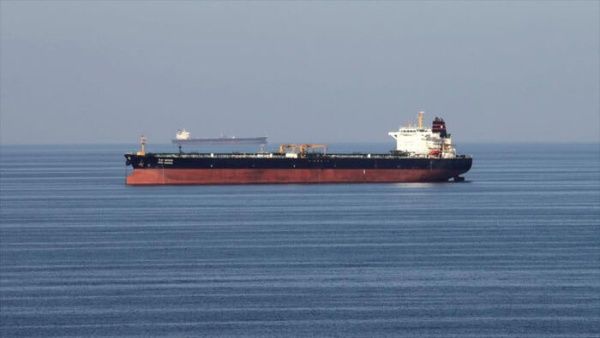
<point>105,72</point>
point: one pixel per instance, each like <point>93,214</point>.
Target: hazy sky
<point>105,72</point>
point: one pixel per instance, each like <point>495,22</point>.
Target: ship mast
<point>143,141</point>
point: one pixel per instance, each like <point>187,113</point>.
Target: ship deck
<point>192,155</point>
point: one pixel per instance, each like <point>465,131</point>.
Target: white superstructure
<point>417,141</point>
<point>182,134</point>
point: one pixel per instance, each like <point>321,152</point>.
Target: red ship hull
<point>159,176</point>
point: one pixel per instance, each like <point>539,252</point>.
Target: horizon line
<point>285,142</point>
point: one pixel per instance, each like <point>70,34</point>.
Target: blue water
<point>515,251</point>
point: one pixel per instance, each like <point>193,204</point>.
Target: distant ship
<point>183,137</point>
<point>421,155</point>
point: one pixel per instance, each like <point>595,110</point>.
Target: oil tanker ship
<point>421,155</point>
<point>183,137</point>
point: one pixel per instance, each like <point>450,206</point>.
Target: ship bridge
<point>424,142</point>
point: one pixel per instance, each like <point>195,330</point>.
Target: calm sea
<point>514,251</point>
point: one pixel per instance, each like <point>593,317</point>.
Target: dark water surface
<point>513,252</point>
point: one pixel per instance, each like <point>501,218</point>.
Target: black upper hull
<point>334,161</point>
